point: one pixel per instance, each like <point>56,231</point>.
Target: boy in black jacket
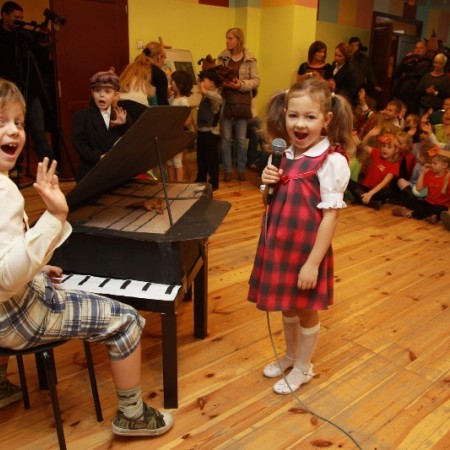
<point>97,128</point>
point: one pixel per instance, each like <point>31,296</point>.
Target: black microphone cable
<point>296,397</point>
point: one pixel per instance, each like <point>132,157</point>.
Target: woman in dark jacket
<point>344,80</point>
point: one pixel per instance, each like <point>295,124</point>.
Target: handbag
<point>238,105</point>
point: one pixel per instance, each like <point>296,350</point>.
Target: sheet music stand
<point>158,124</point>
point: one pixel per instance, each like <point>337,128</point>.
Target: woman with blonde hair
<point>155,51</point>
<point>136,89</point>
<point>245,78</point>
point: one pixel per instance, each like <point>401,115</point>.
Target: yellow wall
<point>183,25</point>
<point>284,47</point>
<point>332,34</point>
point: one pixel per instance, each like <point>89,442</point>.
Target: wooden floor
<point>382,363</point>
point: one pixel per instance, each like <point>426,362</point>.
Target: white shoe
<point>295,378</point>
<point>273,370</point>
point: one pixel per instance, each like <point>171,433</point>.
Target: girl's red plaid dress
<point>284,247</point>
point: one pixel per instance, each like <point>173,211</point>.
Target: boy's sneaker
<point>151,423</point>
<point>9,393</point>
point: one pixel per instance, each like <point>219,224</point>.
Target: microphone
<point>278,147</point>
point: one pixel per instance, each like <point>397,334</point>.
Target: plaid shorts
<point>42,313</point>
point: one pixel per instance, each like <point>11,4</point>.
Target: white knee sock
<point>303,370</point>
<point>291,326</point>
<point>309,337</point>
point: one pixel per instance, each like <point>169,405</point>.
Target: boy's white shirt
<point>24,251</point>
<point>106,114</point>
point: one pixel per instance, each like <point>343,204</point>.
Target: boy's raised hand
<point>120,119</point>
<point>47,187</point>
<point>376,130</point>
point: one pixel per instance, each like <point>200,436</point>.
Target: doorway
<point>392,37</point>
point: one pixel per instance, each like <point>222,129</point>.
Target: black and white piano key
<point>115,286</point>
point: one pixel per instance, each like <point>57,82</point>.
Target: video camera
<point>49,15</point>
<point>38,32</point>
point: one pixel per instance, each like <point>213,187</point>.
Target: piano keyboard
<point>115,286</point>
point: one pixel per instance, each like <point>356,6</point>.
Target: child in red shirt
<point>382,169</point>
<point>436,178</point>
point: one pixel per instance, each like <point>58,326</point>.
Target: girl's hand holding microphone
<point>271,174</point>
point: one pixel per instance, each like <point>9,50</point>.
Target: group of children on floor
<point>402,159</point>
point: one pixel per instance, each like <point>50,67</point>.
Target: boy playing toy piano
<point>33,310</point>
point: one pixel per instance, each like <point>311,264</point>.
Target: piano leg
<point>170,360</point>
<point>201,296</point>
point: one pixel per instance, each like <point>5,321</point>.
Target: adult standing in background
<point>245,78</point>
<point>136,87</point>
<point>364,70</point>
<point>159,78</point>
<point>316,64</point>
<point>19,49</point>
<point>408,74</point>
<point>344,80</point>
<point>434,86</point>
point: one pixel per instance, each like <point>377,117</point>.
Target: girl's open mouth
<point>301,136</point>
<point>9,149</point>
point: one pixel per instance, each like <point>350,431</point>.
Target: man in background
<point>24,60</point>
<point>408,74</point>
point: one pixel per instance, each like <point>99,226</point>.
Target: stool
<point>47,380</point>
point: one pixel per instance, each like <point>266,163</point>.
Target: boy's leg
<point>134,417</point>
<point>202,148</point>
<point>9,393</point>
<point>212,157</point>
<point>50,314</point>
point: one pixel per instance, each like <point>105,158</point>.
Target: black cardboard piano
<point>143,242</point>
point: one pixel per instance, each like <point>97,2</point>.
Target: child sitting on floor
<point>409,187</point>
<point>381,170</point>
<point>387,120</point>
<point>436,179</point>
